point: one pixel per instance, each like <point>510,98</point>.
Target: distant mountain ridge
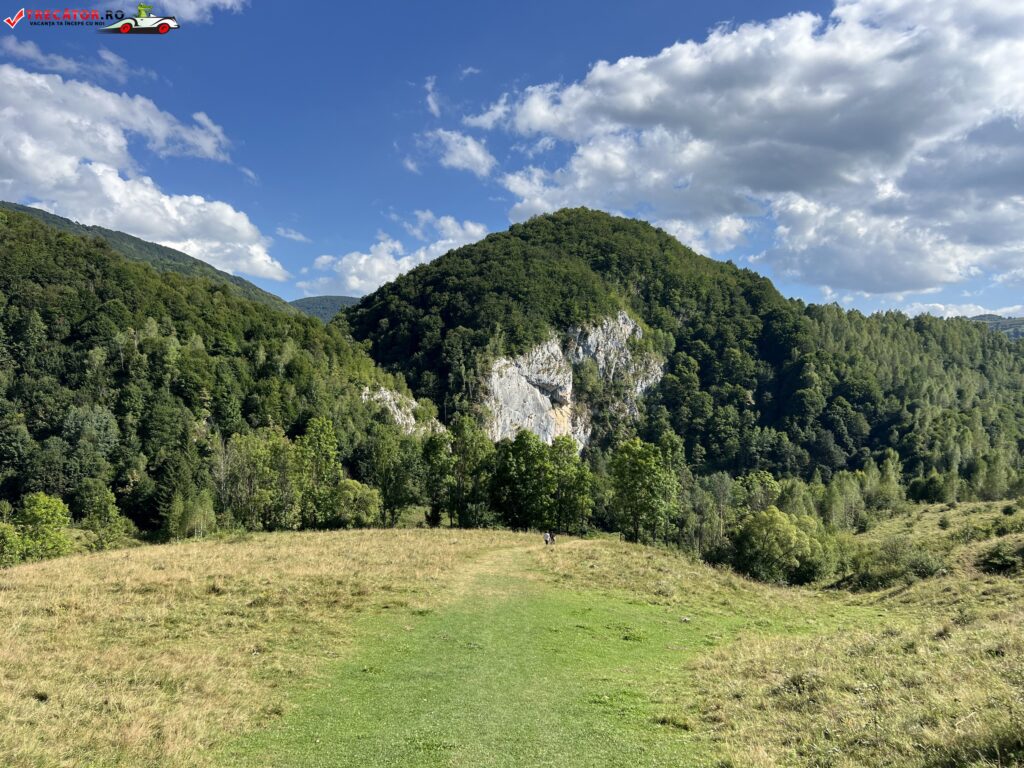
<point>324,307</point>
<point>160,257</point>
<point>1011,326</point>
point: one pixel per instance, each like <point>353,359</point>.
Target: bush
<point>96,507</point>
<point>42,522</point>
<point>1003,559</point>
<point>1010,509</point>
<point>896,560</point>
<point>772,546</point>
<point>11,545</point>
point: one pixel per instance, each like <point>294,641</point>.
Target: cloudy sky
<point>869,152</point>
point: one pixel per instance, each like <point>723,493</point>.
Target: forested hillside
<point>324,307</point>
<point>1011,326</point>
<point>160,257</point>
<point>170,396</point>
<point>753,381</point>
<point>777,430</point>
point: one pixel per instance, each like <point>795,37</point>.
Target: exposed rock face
<point>401,408</point>
<point>534,391</point>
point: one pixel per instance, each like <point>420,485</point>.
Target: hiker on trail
<point>547,538</point>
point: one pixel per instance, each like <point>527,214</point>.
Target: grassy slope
<point>486,649</point>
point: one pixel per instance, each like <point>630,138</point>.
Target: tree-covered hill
<point>171,391</point>
<point>324,307</point>
<point>1011,326</point>
<point>160,257</point>
<point>753,380</point>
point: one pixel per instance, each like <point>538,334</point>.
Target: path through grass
<point>518,671</point>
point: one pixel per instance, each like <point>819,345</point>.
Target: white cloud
<point>961,310</point>
<point>433,105</point>
<point>463,152</point>
<point>410,165</point>
<point>200,10</point>
<point>492,116</point>
<point>78,150</point>
<point>291,234</point>
<point>886,141</point>
<point>360,272</point>
<point>466,72</point>
<point>108,65</point>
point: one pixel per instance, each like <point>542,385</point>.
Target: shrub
<point>42,521</point>
<point>11,545</point>
<point>1003,559</point>
<point>98,513</point>
<point>772,546</point>
<point>1010,509</point>
<point>895,560</point>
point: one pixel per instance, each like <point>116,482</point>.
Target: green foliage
<point>391,461</point>
<point>323,307</point>
<point>646,490</point>
<point>523,485</point>
<point>1005,558</point>
<point>12,548</point>
<point>773,546</point>
<point>42,523</point>
<point>160,257</point>
<point>140,381</point>
<point>752,381</point>
<point>896,560</point>
<point>96,510</point>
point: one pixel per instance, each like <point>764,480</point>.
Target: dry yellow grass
<point>932,678</point>
<point>150,656</point>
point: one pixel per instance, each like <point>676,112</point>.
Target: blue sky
<point>869,152</point>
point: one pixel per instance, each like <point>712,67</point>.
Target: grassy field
<point>442,648</point>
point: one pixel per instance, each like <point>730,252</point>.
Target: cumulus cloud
<point>463,152</point>
<point>883,145</point>
<point>78,150</point>
<point>467,71</point>
<point>291,234</point>
<point>360,272</point>
<point>433,104</point>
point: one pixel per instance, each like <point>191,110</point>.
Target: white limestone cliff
<point>401,408</point>
<point>534,391</point>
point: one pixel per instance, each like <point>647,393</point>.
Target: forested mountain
<point>770,429</point>
<point>324,307</point>
<point>172,392</point>
<point>752,381</point>
<point>1011,326</point>
<point>160,257</point>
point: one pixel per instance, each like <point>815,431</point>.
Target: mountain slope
<point>115,375</point>
<point>160,257</point>
<point>324,307</point>
<point>1011,326</point>
<point>751,380</point>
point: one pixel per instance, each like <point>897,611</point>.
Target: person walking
<point>547,538</point>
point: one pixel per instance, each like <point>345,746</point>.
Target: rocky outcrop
<point>534,391</point>
<point>401,408</point>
